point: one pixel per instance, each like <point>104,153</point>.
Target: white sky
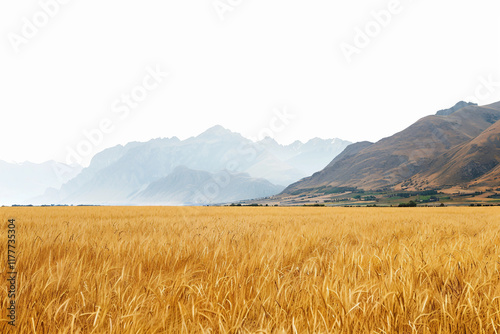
<point>233,72</point>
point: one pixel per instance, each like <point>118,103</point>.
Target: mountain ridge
<point>185,186</point>
<point>392,162</point>
<point>118,174</point>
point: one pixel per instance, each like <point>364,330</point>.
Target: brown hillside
<point>473,163</point>
<point>413,151</point>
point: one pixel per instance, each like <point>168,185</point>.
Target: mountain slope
<point>458,106</point>
<point>472,163</point>
<point>307,157</point>
<point>398,158</point>
<point>187,186</point>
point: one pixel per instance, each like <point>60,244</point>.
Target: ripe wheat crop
<point>254,270</point>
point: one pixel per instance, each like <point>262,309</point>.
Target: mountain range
<point>172,171</point>
<point>458,147</point>
<point>185,186</point>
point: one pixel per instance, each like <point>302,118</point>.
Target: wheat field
<point>254,270</point>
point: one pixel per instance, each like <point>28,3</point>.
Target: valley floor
<point>337,197</point>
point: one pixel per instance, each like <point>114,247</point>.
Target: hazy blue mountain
<point>21,182</point>
<point>117,175</point>
<point>308,157</point>
<point>187,186</point>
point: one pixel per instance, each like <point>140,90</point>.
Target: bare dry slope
<point>474,163</point>
<point>417,150</point>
